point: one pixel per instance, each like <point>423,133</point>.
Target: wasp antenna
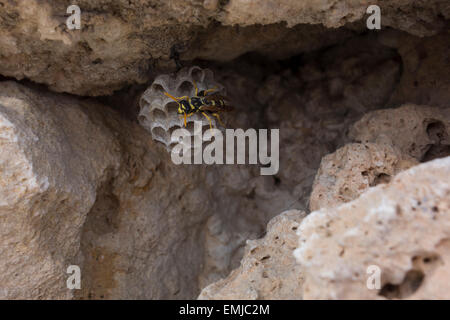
<point>170,96</point>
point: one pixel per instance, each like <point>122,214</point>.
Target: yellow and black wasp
<point>205,101</point>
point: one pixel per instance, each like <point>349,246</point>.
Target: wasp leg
<point>218,118</point>
<point>209,119</point>
<point>185,117</point>
<point>196,88</point>
<point>176,98</point>
<point>205,92</point>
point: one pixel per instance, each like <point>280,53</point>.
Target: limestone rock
<point>162,231</point>
<point>347,173</point>
<point>147,210</point>
<point>49,173</point>
<point>423,81</point>
<point>332,13</point>
<point>386,150</point>
<point>268,269</point>
<point>276,40</point>
<point>314,104</point>
<point>419,131</point>
<point>402,228</point>
<point>80,185</point>
<point>122,42</point>
<point>242,205</point>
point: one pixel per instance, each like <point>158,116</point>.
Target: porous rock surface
<point>82,186</point>
<point>67,200</point>
<point>392,140</point>
<point>382,151</point>
<point>421,132</point>
<point>49,178</point>
<point>268,269</point>
<point>315,103</point>
<point>122,42</point>
<point>347,173</point>
<point>333,13</point>
<point>402,228</point>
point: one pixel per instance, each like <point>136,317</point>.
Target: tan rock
<point>74,190</point>
<point>315,104</point>
<point>419,131</point>
<point>244,204</point>
<point>423,81</point>
<point>402,228</point>
<point>391,138</point>
<point>268,269</point>
<point>276,41</point>
<point>141,227</point>
<point>332,13</point>
<point>122,43</point>
<point>48,180</point>
<point>79,185</point>
<point>347,173</point>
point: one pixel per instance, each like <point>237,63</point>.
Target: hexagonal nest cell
<point>158,113</point>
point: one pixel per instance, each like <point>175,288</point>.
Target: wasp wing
<point>216,108</point>
<point>216,97</point>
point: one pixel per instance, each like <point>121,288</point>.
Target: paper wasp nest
<point>158,113</point>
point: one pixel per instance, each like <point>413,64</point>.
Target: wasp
<point>206,102</point>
